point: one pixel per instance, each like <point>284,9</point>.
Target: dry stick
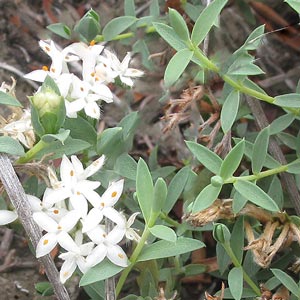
<point>18,198</point>
<point>287,179</point>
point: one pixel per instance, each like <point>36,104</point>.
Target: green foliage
<point>7,99</point>
<point>11,146</point>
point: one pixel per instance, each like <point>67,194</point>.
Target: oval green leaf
<point>256,195</point>
<point>177,65</point>
<point>163,249</point>
<point>235,282</point>
<point>117,26</point>
<point>164,233</point>
<point>206,157</point>
<point>288,100</point>
<point>178,24</point>
<point>7,99</point>
<point>11,146</point>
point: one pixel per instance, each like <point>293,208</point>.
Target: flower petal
<point>93,218</point>
<point>69,220</point>
<point>7,216</point>
<point>94,167</point>
<point>66,242</point>
<point>46,244</point>
<point>115,235</point>
<point>113,193</point>
<point>96,256</point>
<point>67,269</point>
<point>45,222</point>
<point>114,216</point>
<point>117,256</point>
<point>97,235</point>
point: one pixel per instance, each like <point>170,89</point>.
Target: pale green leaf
<point>177,65</point>
<point>163,248</point>
<point>179,24</point>
<point>164,233</point>
<point>256,195</point>
<point>229,110</point>
<point>8,99</point>
<point>11,146</point>
<point>288,100</point>
<point>235,282</point>
<point>206,20</point>
<point>281,123</point>
<point>206,157</point>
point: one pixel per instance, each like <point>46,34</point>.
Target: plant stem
<point>31,153</point>
<point>236,263</point>
<point>169,220</point>
<point>139,247</point>
<point>257,176</point>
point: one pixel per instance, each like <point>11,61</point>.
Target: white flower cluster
<point>64,208</point>
<point>99,68</point>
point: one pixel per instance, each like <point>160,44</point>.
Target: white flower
<point>107,247</point>
<point>57,232</point>
<point>104,207</point>
<point>131,233</point>
<point>20,128</point>
<point>75,186</point>
<point>7,216</point>
<point>114,68</point>
<point>75,257</point>
<point>85,96</point>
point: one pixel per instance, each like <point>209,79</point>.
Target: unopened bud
<point>221,233</point>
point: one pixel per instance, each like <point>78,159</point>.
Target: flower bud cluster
<point>99,68</point>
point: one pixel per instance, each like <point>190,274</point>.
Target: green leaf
<point>117,26</point>
<point>221,233</point>
<point>275,191</point>
<point>81,129</point>
<point>256,195</point>
<point>260,149</point>
<point>294,167</point>
<point>287,281</point>
<point>11,146</point>
<point>237,239</point>
<point>7,99</point>
<point>281,123</point>
<point>61,136</point>
<point>179,24</point>
<point>235,282</point>
<point>108,140</point>
<point>176,187</point>
<point>88,27</point>
<point>164,233</point>
<point>194,269</point>
<point>103,270</point>
<point>206,157</point>
<point>144,189</point>
<point>129,8</point>
<point>169,35</point>
<point>177,65</point>
<point>154,8</point>
<point>232,160</point>
<point>229,110</point>
<point>96,290</point>
<point>60,29</point>
<point>294,4</point>
<point>206,198</point>
<point>239,202</point>
<point>44,288</point>
<point>163,248</point>
<point>253,40</point>
<point>206,20</point>
<point>126,166</point>
<point>288,100</point>
<point>243,65</point>
<point>160,195</point>
<point>223,258</point>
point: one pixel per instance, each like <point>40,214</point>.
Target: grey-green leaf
<point>163,248</point>
<point>256,195</point>
<point>8,99</point>
<point>117,26</point>
<point>164,233</point>
<point>288,100</point>
<point>206,20</point>
<point>10,146</point>
<point>235,282</point>
<point>232,160</point>
<point>281,123</point>
<point>260,149</point>
<point>144,188</point>
<point>206,197</point>
<point>178,24</point>
<point>177,65</point>
<point>205,156</point>
<point>229,110</point>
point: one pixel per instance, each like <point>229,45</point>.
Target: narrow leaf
<point>206,197</point>
<point>169,35</point>
<point>206,20</point>
<point>11,146</point>
<point>235,282</point>
<point>206,157</point>
<point>288,100</point>
<point>237,239</point>
<point>176,187</point>
<point>8,99</point>
<point>164,233</point>
<point>160,195</point>
<point>129,8</point>
<point>163,249</point>
<point>144,188</point>
<point>229,110</point>
<point>287,281</point>
<point>117,26</point>
<point>255,194</point>
<point>281,123</point>
<point>260,149</point>
<point>232,160</point>
<point>103,270</point>
<point>178,24</point>
<point>177,65</point>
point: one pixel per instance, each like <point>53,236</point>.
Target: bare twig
<point>18,198</point>
<point>287,179</point>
